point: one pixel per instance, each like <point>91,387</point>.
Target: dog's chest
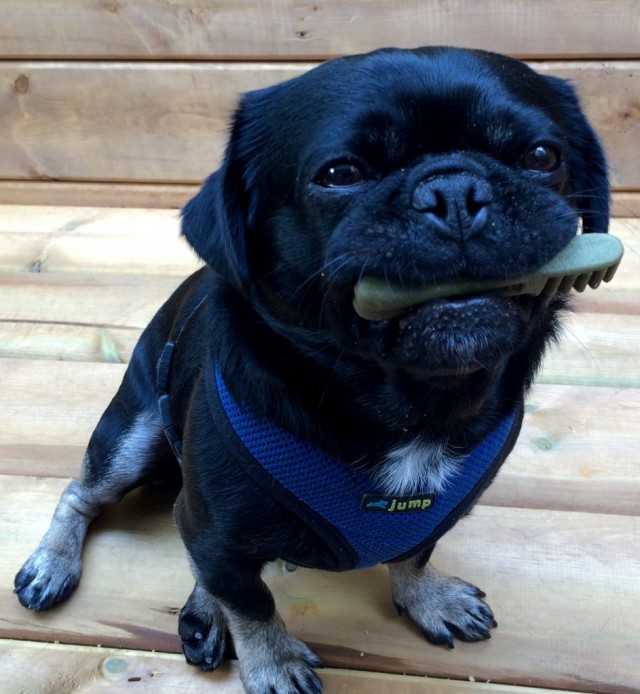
<point>364,520</point>
<point>416,466</point>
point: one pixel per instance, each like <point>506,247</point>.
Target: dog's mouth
<point>588,260</point>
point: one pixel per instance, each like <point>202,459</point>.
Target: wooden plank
<point>259,28</point>
<point>534,565</point>
<point>99,316</point>
<point>165,195</point>
<point>166,123</point>
<point>623,203</point>
<point>55,403</point>
<point>158,195</point>
<point>40,666</point>
<point>70,239</point>
<point>58,239</point>
<point>565,458</point>
<point>596,348</point>
<point>71,342</point>
<point>103,300</point>
<point>115,122</point>
<point>611,99</point>
<point>49,250</point>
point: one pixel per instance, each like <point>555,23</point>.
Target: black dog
<point>305,432</point>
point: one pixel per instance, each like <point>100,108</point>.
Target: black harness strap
<point>163,380</point>
<point>171,431</point>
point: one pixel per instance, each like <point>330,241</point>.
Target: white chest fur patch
<point>417,467</point>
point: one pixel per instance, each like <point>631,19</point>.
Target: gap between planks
<point>167,196</point>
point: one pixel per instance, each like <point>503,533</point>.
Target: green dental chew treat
<point>588,259</point>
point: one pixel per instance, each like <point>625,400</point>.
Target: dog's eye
<point>542,158</point>
<point>340,175</point>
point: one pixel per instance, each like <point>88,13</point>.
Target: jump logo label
<point>397,504</point>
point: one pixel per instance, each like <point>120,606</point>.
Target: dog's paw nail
<point>440,638</point>
<point>400,609</point>
<point>314,661</point>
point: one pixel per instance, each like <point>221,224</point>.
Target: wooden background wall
<point>125,102</point>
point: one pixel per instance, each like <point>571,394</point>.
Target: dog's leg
<point>119,457</point>
<point>270,659</point>
<point>443,607</point>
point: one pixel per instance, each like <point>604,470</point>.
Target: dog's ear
<point>587,165</point>
<point>215,222</point>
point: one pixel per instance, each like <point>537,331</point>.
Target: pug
<point>306,430</point>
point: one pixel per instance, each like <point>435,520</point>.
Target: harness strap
<point>171,431</point>
<point>163,380</point>
<point>336,499</point>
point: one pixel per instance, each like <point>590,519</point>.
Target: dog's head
<point>413,166</point>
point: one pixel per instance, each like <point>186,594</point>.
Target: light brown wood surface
<point>565,587</point>
<point>81,315</point>
<point>565,457</point>
<point>107,670</point>
<point>167,122</point>
<point>126,102</point>
<point>555,542</point>
<point>215,29</point>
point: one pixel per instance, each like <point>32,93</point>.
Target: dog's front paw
<point>203,630</point>
<point>289,668</point>
<point>48,577</point>
<point>271,660</point>
<point>443,607</point>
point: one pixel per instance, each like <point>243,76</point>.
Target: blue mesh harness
<point>360,523</point>
<point>342,503</point>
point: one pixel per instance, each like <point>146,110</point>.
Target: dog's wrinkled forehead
<point>393,102</point>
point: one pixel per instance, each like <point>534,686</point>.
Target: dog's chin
<point>451,338</point>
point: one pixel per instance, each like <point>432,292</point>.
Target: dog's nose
<point>455,203</point>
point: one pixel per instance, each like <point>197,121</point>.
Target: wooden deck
<point>126,103</point>
<point>555,542</point>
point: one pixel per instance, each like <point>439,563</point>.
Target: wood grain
<point>67,239</point>
<point>596,348</point>
<point>279,29</point>
<point>146,242</point>
<point>93,669</point>
<point>167,123</point>
<point>81,283</point>
<point>581,566</point>
<point>565,458</point>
